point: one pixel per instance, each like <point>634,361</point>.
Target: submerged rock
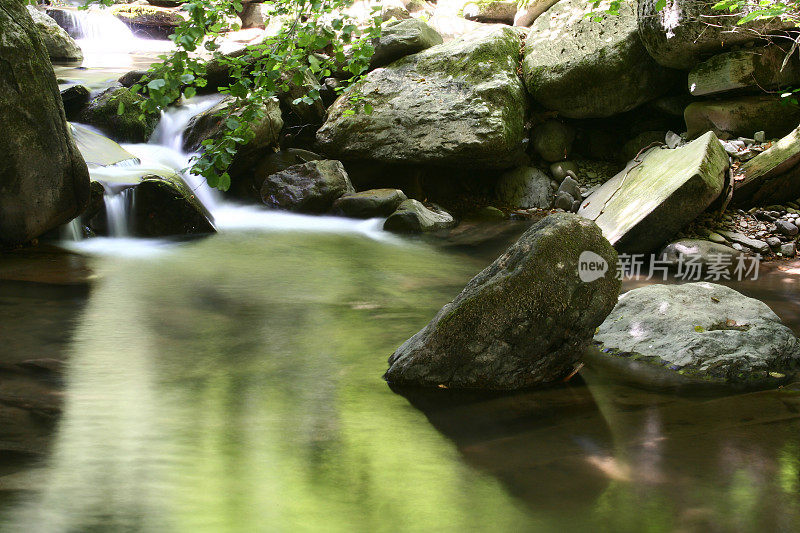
<point>369,204</point>
<point>701,332</point>
<point>60,46</point>
<point>457,104</point>
<point>44,181</point>
<point>130,126</point>
<point>646,204</point>
<point>413,217</point>
<point>583,68</point>
<point>403,38</point>
<point>522,321</point>
<point>308,188</point>
<point>742,117</point>
<point>525,188</point>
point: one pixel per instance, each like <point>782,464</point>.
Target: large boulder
<point>210,124</point>
<point>525,188</point>
<point>772,177</point>
<point>523,320</point>
<point>652,199</point>
<point>412,216</point>
<point>60,46</point>
<point>44,181</point>
<point>98,150</point>
<point>402,38</point>
<point>369,204</point>
<point>456,104</point>
<point>742,117</point>
<point>750,68</point>
<point>684,32</point>
<point>131,126</point>
<point>583,68</point>
<point>307,188</point>
<point>700,332</point>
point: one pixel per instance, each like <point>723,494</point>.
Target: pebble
<point>788,249</point>
<point>716,237</point>
<point>737,246</point>
<point>773,242</point>
<point>760,136</point>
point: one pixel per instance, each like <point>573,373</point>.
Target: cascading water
<point>119,206</point>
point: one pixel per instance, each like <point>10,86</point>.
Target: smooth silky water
<point>233,383</point>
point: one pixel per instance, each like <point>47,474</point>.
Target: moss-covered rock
<point>210,125</point>
<point>369,204</point>
<point>522,321</point>
<point>60,46</point>
<point>44,181</point>
<point>147,16</point>
<point>98,150</point>
<point>646,204</point>
<point>130,126</point>
<point>701,332</point>
<point>402,38</point>
<point>502,11</point>
<point>166,206</point>
<point>584,68</point>
<point>456,104</point>
<point>742,116</point>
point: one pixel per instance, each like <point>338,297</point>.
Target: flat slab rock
<point>523,320</point>
<point>701,332</point>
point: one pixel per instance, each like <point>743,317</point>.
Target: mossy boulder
<point>148,16</point>
<point>700,332</point>
<point>523,321</point>
<point>44,181</point>
<point>130,126</point>
<point>369,204</point>
<point>754,69</point>
<point>652,199</point>
<point>307,188</point>
<point>401,38</point>
<point>60,46</point>
<point>412,216</point>
<point>210,124</point>
<point>583,68</point>
<point>456,104</point>
<point>501,11</point>
<point>772,177</point>
<point>166,206</point>
<point>742,116</point>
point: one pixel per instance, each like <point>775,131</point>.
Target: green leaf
<point>699,329</point>
<point>156,84</point>
<point>121,108</point>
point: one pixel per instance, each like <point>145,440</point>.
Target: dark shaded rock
<point>413,217</point>
<point>44,181</point>
<point>786,228</point>
<point>742,117</point>
<point>308,188</point>
<point>130,126</point>
<point>525,188</point>
<point>772,177</point>
<point>74,99</point>
<point>403,38</point>
<point>210,125</point>
<point>552,140</point>
<point>129,79</point>
<point>369,204</point>
<point>701,332</point>
<point>165,207</point>
<point>246,185</point>
<point>522,321</point>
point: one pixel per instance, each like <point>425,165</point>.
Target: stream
<point>233,383</point>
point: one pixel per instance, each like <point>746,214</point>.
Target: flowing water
<point>233,383</point>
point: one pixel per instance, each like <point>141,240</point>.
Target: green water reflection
<point>234,385</point>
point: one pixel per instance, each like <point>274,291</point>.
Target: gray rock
<point>774,242</point>
<point>701,331</point>
<point>786,228</point>
<point>788,250</point>
<point>166,206</point>
<point>641,141</point>
<point>60,46</point>
<point>570,186</point>
<point>552,140</point>
<point>98,150</point>
<point>307,188</point>
<point>583,68</point>
<point>457,104</point>
<point>44,181</point>
<point>686,31</point>
<point>413,217</point>
<point>403,38</point>
<point>772,176</point>
<point>759,136</point>
<point>520,322</point>
<point>525,188</point>
<point>502,11</point>
<point>369,204</point>
<point>754,244</point>
<point>559,169</point>
<point>699,252</point>
<point>132,77</point>
<point>645,205</point>
<point>740,116</point>
<point>672,140</point>
<point>564,201</point>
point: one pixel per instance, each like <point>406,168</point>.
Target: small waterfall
<point>119,211</point>
<point>96,26</point>
<point>72,231</point>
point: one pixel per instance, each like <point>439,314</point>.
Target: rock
<point>758,68</point>
<point>130,126</point>
<point>413,217</point>
<point>771,177</point>
<point>299,85</point>
<point>307,188</point>
<point>788,250</point>
<point>646,204</point>
<point>570,186</point>
<point>702,332</point>
<point>672,140</point>
<point>74,98</point>
<point>647,138</point>
<point>582,68</point>
<point>457,104</point>
<point>699,252</point>
<point>759,136</point>
<point>44,181</point>
<point>530,11</point>
<point>559,169</point>
<point>786,228</point>
<point>522,321</point>
<point>403,38</point>
<point>489,213</point>
<point>251,16</point>
<point>716,237</point>
<point>393,9</point>
<point>98,150</point>
<point>552,140</point>
<point>152,20</point>
<point>369,204</point>
<point>564,201</point>
<point>774,242</point>
<point>60,46</point>
<point>525,188</point>
<point>754,244</point>
<point>247,185</point>
<point>129,79</point>
<point>741,116</point>
<point>502,11</point>
<point>686,31</point>
<point>165,206</point>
